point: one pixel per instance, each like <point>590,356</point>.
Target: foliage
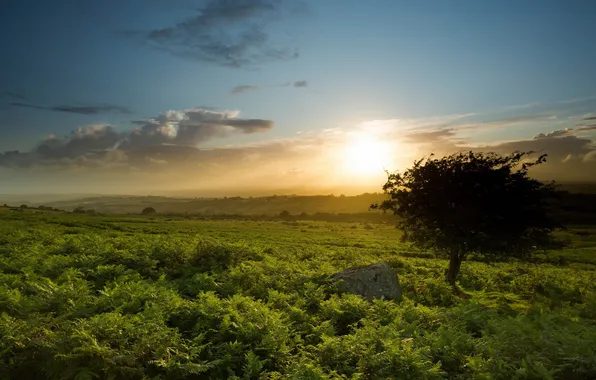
<point>465,203</point>
<point>136,298</point>
<point>148,211</point>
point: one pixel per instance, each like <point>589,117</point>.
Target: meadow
<point>125,297</point>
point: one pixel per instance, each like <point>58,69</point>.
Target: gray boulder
<point>375,281</point>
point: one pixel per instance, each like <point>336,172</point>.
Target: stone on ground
<point>375,281</point>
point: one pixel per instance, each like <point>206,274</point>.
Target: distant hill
<point>578,202</point>
<point>271,205</point>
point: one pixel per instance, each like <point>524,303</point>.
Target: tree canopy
<point>470,202</point>
<point>148,211</point>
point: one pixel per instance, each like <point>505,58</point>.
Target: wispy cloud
<point>507,121</point>
<point>590,118</point>
<point>241,89</point>
<point>522,106</point>
<point>231,33</point>
<point>247,88</point>
<point>296,84</point>
<point>78,109</point>
<point>13,96</point>
<point>27,105</point>
<point>577,100</point>
<point>91,110</point>
<point>430,136</point>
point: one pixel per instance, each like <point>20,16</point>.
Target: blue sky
<point>306,67</point>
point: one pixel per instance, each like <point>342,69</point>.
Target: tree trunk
<point>454,265</point>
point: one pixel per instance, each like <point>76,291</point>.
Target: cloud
<point>557,133</point>
<point>192,127</point>
<point>91,110</point>
<point>590,118</point>
<point>157,161</point>
<point>557,147</point>
<point>516,120</point>
<point>170,150</point>
<point>250,125</point>
<point>139,122</point>
<point>231,33</point>
<point>296,84</point>
<point>590,156</point>
<point>591,127</point>
<point>570,156</point>
<point>557,143</point>
<point>241,89</point>
<point>89,144</point>
<point>200,125</point>
<point>430,136</point>
<point>81,110</point>
<point>26,105</point>
<point>451,125</point>
<point>13,96</point>
<point>566,159</point>
<point>522,106</point>
<point>507,121</point>
<point>577,100</point>
<point>88,139</point>
<point>179,129</point>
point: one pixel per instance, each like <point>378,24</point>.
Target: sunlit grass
<point>138,298</point>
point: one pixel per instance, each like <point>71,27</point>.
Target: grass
<point>85,297</point>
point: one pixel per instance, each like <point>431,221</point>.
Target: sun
<point>366,156</point>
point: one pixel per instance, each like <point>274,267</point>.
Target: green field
<point>94,297</point>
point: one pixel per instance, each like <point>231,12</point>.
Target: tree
<point>284,213</point>
<point>472,203</point>
<point>148,211</point>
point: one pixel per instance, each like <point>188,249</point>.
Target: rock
<point>375,281</point>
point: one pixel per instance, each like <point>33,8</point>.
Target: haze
<point>230,97</point>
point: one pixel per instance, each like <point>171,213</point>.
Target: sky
<point>158,97</point>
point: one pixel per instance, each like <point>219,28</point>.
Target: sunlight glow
<point>367,155</point>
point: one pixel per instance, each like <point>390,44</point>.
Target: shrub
<point>148,211</point>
